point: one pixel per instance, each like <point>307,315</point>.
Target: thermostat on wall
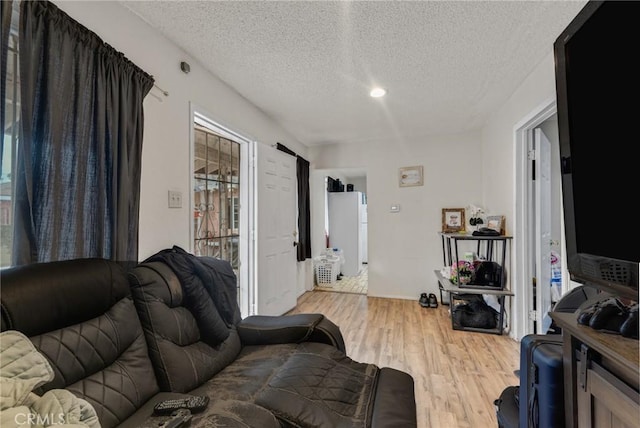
<point>395,208</point>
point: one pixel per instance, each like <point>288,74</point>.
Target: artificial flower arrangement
<point>475,217</point>
<point>463,269</point>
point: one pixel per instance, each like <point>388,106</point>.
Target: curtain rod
<point>165,93</point>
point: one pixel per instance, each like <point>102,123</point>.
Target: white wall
<point>405,248</point>
<point>165,156</point>
<point>498,137</point>
<point>359,184</point>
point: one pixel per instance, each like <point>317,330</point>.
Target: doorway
<point>341,224</point>
<point>539,220</point>
<point>220,200</point>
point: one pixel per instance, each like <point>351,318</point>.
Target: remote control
<point>180,419</point>
<point>195,404</point>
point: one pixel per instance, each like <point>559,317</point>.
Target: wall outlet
<point>175,199</point>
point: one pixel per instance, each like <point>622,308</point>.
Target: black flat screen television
<point>598,94</point>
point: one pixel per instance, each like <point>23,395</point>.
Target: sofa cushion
<point>214,276</point>
<point>85,323</point>
<point>182,360</point>
<point>310,389</point>
<point>104,361</point>
<point>219,413</point>
<point>259,371</point>
<point>25,307</point>
<point>299,383</point>
<point>236,414</point>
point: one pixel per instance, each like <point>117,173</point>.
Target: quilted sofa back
<point>183,357</point>
<point>80,315</point>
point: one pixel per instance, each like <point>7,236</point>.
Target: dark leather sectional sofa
<point>125,339</point>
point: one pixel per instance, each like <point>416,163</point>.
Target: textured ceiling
<point>309,65</point>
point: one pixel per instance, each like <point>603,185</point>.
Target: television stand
<point>601,374</point>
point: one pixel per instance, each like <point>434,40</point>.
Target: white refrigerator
<point>363,234</point>
<point>345,229</point>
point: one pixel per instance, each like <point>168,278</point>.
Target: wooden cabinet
<point>602,376</point>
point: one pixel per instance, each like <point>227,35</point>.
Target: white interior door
<point>276,233</point>
<point>543,230</point>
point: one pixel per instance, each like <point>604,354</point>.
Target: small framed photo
<point>411,176</point>
<point>453,220</point>
<point>496,222</point>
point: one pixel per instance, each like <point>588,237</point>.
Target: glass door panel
<point>216,196</point>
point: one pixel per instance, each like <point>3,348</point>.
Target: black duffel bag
<point>476,314</point>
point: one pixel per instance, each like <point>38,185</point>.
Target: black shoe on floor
<point>433,301</point>
<point>424,300</point>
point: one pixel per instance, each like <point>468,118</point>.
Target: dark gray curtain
<point>304,210</point>
<point>304,205</point>
<point>5,22</point>
<point>79,157</point>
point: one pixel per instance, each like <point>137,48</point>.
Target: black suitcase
<point>541,382</point>
<point>507,410</point>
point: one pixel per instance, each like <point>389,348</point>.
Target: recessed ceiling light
<point>378,92</point>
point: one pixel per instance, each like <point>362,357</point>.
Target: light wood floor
<point>457,374</point>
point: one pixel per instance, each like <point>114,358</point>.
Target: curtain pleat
<point>5,20</point>
<point>79,160</point>
<point>304,210</point>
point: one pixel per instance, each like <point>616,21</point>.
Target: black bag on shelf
<point>489,274</point>
<point>475,313</point>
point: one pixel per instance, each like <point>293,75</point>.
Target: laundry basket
<point>327,269</point>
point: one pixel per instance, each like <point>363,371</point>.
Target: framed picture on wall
<point>411,176</point>
<point>453,220</point>
<point>496,222</point>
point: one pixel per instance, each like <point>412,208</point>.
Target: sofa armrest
<point>270,330</point>
<point>395,401</point>
<point>329,333</point>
